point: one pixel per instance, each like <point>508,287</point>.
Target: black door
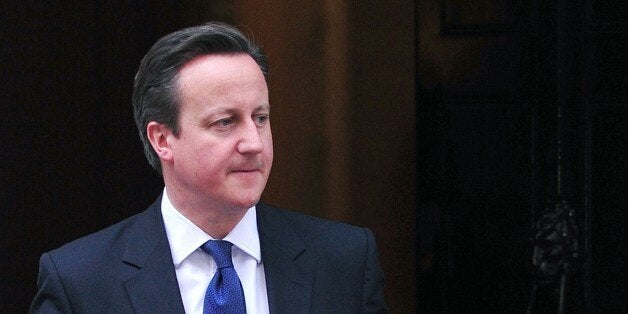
<point>522,111</point>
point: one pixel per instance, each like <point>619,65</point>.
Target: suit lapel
<point>154,287</point>
<point>288,279</point>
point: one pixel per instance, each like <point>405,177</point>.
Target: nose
<point>251,139</point>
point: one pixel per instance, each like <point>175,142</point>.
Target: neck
<point>214,219</point>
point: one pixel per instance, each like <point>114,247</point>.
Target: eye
<point>224,122</point>
<point>261,119</point>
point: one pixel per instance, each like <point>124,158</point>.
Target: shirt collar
<point>185,237</point>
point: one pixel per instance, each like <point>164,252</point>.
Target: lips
<point>246,170</point>
<point>248,167</point>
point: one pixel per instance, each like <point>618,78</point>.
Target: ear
<point>159,135</point>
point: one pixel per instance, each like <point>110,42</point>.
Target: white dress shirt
<point>195,268</point>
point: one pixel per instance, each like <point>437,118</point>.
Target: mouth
<point>246,170</point>
<point>248,175</point>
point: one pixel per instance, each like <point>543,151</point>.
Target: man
<point>206,245</point>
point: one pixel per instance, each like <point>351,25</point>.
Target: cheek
<point>214,158</point>
<point>269,148</point>
<point>269,139</point>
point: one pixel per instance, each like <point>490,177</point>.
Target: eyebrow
<point>208,116</point>
<point>264,106</point>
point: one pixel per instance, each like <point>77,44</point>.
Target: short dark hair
<point>156,93</point>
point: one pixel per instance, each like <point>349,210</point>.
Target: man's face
<point>224,150</point>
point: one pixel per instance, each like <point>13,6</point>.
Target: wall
<point>342,91</point>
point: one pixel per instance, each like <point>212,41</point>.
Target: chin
<point>243,196</point>
<point>248,202</point>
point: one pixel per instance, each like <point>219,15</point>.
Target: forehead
<point>225,78</point>
<point>219,68</point>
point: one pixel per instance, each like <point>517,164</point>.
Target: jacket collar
<point>153,288</point>
<point>288,282</point>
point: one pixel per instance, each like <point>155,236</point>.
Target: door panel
<point>522,117</point>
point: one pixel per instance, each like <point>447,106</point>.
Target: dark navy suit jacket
<point>311,266</point>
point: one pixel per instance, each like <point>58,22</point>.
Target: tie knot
<point>220,251</point>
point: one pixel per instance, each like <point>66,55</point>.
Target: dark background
<point>73,162</point>
<point>447,127</point>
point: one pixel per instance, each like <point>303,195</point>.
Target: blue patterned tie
<point>224,293</point>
